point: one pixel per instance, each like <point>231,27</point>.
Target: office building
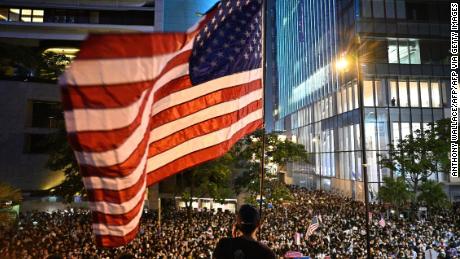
<point>403,52</point>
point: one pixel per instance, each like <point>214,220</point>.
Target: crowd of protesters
<point>341,232</point>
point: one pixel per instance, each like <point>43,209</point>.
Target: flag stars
<point>213,63</point>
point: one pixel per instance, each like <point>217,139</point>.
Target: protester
<point>341,232</point>
<point>243,243</point>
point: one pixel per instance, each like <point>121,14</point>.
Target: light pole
<point>342,65</point>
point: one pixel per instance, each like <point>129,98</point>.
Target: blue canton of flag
<point>229,43</point>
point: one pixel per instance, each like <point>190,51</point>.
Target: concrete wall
<point>25,171</point>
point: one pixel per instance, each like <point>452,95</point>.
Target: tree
<point>211,179</point>
<point>433,196</point>
<point>62,158</point>
<point>30,62</point>
<point>9,196</point>
<point>51,65</point>
<point>438,136</point>
<point>278,151</point>
<point>395,192</point>
<point>418,156</point>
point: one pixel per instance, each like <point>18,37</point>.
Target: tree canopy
<point>418,156</point>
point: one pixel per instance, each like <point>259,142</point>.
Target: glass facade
<point>404,83</point>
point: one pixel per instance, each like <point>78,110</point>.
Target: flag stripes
<point>134,117</point>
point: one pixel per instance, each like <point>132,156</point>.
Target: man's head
<point>248,219</point>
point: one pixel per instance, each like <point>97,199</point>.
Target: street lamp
<point>343,65</point>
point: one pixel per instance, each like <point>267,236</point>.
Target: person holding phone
<point>243,243</point>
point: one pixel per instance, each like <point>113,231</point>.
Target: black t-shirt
<point>242,248</point>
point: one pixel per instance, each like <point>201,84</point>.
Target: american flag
<point>142,107</point>
<point>313,226</point>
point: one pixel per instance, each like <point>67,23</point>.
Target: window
<point>414,52</point>
<point>405,129</point>
<point>401,9</point>
<point>393,93</point>
<point>355,90</point>
<point>24,15</point>
<point>350,97</point>
<point>14,14</point>
<point>403,49</point>
<point>414,98</point>
<point>393,52</point>
<point>45,114</point>
<point>403,98</point>
<point>38,15</point>
<point>380,93</point>
<point>382,128</point>
<point>344,100</point>
<point>3,14</point>
<point>36,143</point>
<point>339,102</point>
<point>376,51</point>
<point>378,9</point>
<point>368,93</point>
<point>370,129</point>
<point>425,94</point>
<point>390,8</point>
<point>367,8</point>
<point>435,95</point>
<point>395,132</point>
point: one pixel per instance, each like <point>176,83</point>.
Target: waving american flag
<point>142,107</point>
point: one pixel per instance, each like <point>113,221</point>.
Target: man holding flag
<point>142,107</point>
<point>314,225</point>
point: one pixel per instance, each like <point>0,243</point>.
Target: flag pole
<point>262,163</point>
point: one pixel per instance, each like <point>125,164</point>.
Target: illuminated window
<point>403,98</point>
<point>26,15</point>
<point>393,93</point>
<point>435,95</point>
<point>414,52</point>
<point>38,16</point>
<point>3,14</point>
<point>14,15</point>
<point>368,93</point>
<point>425,94</point>
<point>393,52</point>
<point>414,98</point>
<point>403,52</point>
<point>380,93</point>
